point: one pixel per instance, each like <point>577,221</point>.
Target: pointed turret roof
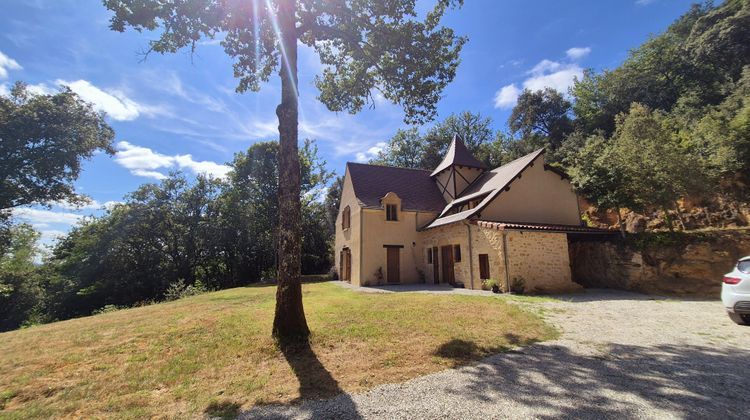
<point>459,155</point>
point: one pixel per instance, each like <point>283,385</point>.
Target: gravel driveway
<point>620,355</point>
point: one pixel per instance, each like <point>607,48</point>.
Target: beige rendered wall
<point>349,237</point>
<point>377,231</point>
<point>539,196</point>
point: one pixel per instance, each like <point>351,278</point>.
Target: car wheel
<point>739,319</point>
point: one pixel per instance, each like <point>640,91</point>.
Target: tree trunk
<point>621,223</point>
<point>679,215</point>
<point>289,320</point>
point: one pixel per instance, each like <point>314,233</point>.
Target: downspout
<point>471,258</point>
<point>505,257</point>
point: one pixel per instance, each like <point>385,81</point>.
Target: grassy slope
<point>213,354</point>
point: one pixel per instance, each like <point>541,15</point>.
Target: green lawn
<point>213,353</point>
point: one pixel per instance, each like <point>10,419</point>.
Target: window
<point>484,266</point>
<point>457,253</point>
<point>429,255</point>
<point>346,218</point>
<point>391,212</point>
<point>744,266</point>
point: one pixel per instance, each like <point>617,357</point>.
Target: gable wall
<point>350,237</point>
<point>539,196</point>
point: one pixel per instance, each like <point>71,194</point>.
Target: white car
<point>735,292</point>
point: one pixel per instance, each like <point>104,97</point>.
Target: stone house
<point>459,224</point>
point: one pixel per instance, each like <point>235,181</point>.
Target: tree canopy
<point>43,139</point>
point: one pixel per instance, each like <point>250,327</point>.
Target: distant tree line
<point>672,120</point>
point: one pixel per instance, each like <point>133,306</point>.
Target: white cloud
<point>576,53</point>
<point>506,97</point>
<point>114,102</point>
<point>41,89</point>
<point>370,153</point>
<point>43,218</point>
<point>204,167</point>
<point>142,161</point>
<point>644,2</point>
<point>547,73</point>
<point>91,205</point>
<point>4,89</point>
<point>559,80</point>
<point>7,63</point>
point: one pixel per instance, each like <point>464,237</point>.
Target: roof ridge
<point>387,166</point>
<point>518,158</point>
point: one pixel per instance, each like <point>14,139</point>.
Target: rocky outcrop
<point>683,263</point>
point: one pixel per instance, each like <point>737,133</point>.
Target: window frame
<point>391,210</point>
<point>484,266</point>
<point>346,218</point>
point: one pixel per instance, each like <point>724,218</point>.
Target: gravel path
<point>620,355</point>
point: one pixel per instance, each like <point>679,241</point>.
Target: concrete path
<point>620,355</point>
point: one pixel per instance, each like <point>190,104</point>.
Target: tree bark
<point>289,320</point>
<point>620,223</point>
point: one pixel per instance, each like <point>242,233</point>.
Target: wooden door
<point>446,254</point>
<point>348,259</point>
<point>345,264</point>
<point>435,266</point>
<point>394,265</point>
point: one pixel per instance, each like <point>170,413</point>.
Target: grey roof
<point>488,186</point>
<point>459,155</point>
<point>418,192</point>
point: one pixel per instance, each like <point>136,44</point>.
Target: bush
<point>489,284</point>
<point>106,309</point>
<point>518,285</point>
<point>179,290</point>
<point>333,273</point>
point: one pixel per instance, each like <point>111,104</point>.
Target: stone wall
<point>682,264</point>
<point>540,258</point>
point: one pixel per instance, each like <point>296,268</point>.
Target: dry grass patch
<point>213,354</point>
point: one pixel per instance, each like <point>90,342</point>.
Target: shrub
<point>333,273</point>
<point>179,290</point>
<point>489,283</point>
<point>518,285</point>
<point>107,309</point>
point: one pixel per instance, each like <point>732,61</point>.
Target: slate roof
<point>418,192</point>
<point>487,186</point>
<point>458,154</point>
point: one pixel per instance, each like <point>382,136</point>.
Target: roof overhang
<point>541,227</point>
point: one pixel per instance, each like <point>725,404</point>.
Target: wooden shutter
<point>457,253</point>
<point>484,266</point>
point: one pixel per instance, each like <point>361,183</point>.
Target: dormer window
<point>346,218</point>
<point>391,212</point>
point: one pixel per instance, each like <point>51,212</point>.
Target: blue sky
<point>180,112</point>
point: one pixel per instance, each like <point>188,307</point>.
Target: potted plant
<point>491,284</point>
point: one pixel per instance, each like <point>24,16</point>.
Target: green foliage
<point>364,45</point>
<point>21,294</point>
<point>541,118</point>
<point>168,239</point>
<point>44,140</point>
<point>179,290</point>
<point>488,284</point>
<point>106,309</point>
<point>518,285</point>
<point>410,149</point>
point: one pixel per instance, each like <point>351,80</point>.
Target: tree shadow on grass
<point>320,394</point>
